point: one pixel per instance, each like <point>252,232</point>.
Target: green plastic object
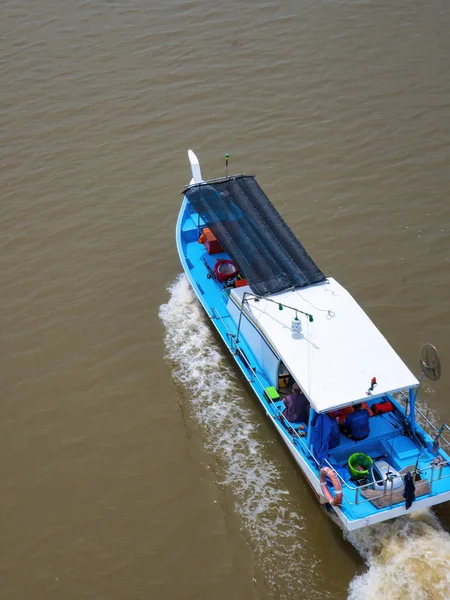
<point>271,393</point>
<point>359,460</point>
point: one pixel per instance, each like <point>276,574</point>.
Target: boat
<point>284,323</point>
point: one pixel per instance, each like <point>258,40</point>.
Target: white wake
<point>215,400</point>
<point>406,558</point>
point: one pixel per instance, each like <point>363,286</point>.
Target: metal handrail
<point>433,469</point>
<point>369,485</point>
<point>421,470</point>
<point>405,399</point>
<point>357,488</point>
<point>434,428</point>
<point>425,418</point>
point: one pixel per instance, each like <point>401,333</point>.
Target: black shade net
<point>252,232</point>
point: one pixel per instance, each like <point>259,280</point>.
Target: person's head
<point>357,406</point>
<point>296,389</point>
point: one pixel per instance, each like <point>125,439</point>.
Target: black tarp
<point>253,233</point>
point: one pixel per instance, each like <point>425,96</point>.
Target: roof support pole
<point>240,317</point>
<point>412,410</point>
<point>312,414</point>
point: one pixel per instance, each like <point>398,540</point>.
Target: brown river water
<point>136,464</point>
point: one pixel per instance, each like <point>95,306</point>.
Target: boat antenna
<point>227,156</point>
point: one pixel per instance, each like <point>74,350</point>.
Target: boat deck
<point>386,441</point>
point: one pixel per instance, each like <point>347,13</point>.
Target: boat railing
<point>432,429</point>
<point>423,421</point>
<point>432,466</point>
<point>435,470</point>
<point>357,489</point>
<point>403,398</point>
<point>252,378</point>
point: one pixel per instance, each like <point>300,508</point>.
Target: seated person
<point>343,412</point>
<point>297,406</point>
<point>356,424</point>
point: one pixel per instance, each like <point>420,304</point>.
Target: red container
<point>240,283</point>
<point>382,407</point>
<point>209,240</point>
<point>225,269</point>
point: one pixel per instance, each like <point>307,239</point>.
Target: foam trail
<point>408,557</point>
<point>243,463</point>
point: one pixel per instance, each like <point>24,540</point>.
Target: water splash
<point>408,557</point>
<point>243,460</point>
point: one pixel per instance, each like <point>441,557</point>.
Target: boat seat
<point>403,447</point>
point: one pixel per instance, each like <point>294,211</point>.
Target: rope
<point>331,314</point>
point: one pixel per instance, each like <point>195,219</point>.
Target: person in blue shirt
<point>356,424</point>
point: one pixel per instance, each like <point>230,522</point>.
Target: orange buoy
<point>331,474</point>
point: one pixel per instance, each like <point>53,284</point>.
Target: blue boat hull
<point>355,511</point>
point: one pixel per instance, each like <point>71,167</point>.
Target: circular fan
<point>430,362</point>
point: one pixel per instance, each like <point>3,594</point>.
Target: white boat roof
<point>335,357</point>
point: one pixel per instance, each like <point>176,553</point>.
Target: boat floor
<point>386,441</point>
<point>388,499</point>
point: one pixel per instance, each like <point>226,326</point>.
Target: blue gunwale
<point>383,439</point>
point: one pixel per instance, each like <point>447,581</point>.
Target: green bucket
<point>359,460</point>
